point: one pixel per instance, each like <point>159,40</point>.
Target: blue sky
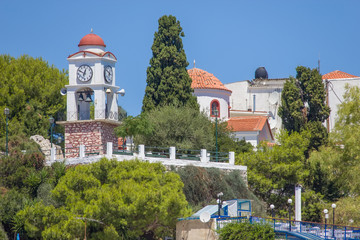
<point>227,38</point>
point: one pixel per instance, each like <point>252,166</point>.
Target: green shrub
<point>246,230</point>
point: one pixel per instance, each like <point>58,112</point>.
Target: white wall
<point>336,92</point>
<point>206,96</point>
<point>242,98</point>
<point>239,97</point>
<point>251,137</point>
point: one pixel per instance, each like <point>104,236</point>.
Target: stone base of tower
<point>93,134</point>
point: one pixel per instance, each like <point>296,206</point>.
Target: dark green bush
<point>246,230</point>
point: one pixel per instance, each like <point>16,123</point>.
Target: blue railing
<point>300,229</point>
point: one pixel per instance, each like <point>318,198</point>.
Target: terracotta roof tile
<point>247,123</point>
<point>204,80</point>
<point>337,75</point>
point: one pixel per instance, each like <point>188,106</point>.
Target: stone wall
<point>196,230</point>
<point>91,133</point>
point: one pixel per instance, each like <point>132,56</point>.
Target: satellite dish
<point>272,123</point>
<point>205,217</point>
<point>63,91</point>
<point>274,98</point>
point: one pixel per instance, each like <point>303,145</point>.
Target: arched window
<point>215,108</point>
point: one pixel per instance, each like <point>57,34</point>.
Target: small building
<point>335,88</point>
<point>198,227</point>
<point>254,129</point>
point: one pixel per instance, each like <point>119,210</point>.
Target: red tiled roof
<point>337,75</point>
<point>247,123</point>
<point>204,80</point>
<point>92,39</point>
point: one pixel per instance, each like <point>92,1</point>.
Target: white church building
<point>251,107</point>
<point>215,100</point>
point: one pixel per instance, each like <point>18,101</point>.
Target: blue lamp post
<point>289,202</point>
<point>272,213</point>
<point>333,229</point>
<point>326,217</point>
<point>7,112</point>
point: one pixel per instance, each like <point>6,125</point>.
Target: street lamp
<point>289,202</point>
<point>272,213</point>
<point>333,207</point>
<point>272,210</point>
<point>219,202</point>
<point>216,132</point>
<point>326,217</point>
<point>51,120</point>
<point>7,112</point>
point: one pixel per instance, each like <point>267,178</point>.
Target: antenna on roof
<point>91,30</point>
<point>194,63</point>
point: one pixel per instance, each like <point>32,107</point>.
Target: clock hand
<point>84,72</point>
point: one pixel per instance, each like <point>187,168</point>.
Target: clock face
<point>84,73</point>
<point>108,74</point>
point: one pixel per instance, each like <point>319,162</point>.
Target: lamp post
<point>272,213</point>
<point>216,133</point>
<point>272,210</point>
<point>289,202</point>
<point>333,207</point>
<point>6,112</point>
<point>326,217</point>
<point>219,202</point>
<point>51,120</point>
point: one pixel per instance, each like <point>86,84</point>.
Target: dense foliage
<point>168,82</point>
<point>248,231</point>
<point>30,88</point>
<point>273,172</point>
<point>182,127</point>
<point>117,200</point>
<point>337,164</point>
<point>201,186</point>
<point>303,105</point>
<point>24,179</point>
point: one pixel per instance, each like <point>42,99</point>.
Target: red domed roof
<point>92,39</point>
<point>203,80</point>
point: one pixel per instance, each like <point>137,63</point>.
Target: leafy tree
<point>126,200</point>
<point>313,205</point>
<point>30,89</point>
<point>274,172</point>
<point>168,82</point>
<point>338,164</point>
<point>184,128</point>
<point>167,126</point>
<point>303,105</point>
<point>347,209</point>
<point>328,175</point>
<point>246,230</point>
<point>135,127</point>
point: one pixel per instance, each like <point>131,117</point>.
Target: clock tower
<point>92,109</point>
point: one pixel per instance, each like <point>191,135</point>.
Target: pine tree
<point>168,82</point>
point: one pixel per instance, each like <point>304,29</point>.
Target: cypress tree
<point>168,82</point>
<point>303,105</point>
